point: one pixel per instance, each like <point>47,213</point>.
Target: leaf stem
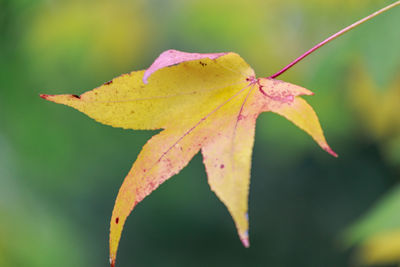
<point>332,37</point>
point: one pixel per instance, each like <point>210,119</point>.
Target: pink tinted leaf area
<point>172,57</point>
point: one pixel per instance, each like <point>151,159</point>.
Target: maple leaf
<point>207,102</point>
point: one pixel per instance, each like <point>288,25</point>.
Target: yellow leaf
<point>207,102</point>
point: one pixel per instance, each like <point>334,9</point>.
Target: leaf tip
<point>245,239</point>
<point>44,96</point>
<point>112,262</point>
<point>330,151</point>
<point>145,77</point>
<point>60,99</point>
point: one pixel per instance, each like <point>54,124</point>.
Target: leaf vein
<point>197,124</point>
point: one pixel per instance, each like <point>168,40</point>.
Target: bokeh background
<point>60,171</point>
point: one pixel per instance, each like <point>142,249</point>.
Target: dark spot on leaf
<point>222,166</point>
<point>109,82</point>
<point>76,96</point>
<point>117,220</point>
<point>202,63</point>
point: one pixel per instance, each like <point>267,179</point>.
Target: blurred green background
<point>60,171</point>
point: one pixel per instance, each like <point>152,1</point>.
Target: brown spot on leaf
<point>202,63</point>
<point>117,220</point>
<point>222,166</point>
<point>109,82</point>
<point>76,96</point>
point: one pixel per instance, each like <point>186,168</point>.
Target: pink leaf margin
<point>172,57</point>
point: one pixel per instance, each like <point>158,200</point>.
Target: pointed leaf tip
<point>66,99</point>
<point>245,241</point>
<point>172,57</point>
<point>44,96</point>
<point>330,151</point>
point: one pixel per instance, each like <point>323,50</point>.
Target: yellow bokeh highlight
<point>382,248</point>
<point>91,34</point>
